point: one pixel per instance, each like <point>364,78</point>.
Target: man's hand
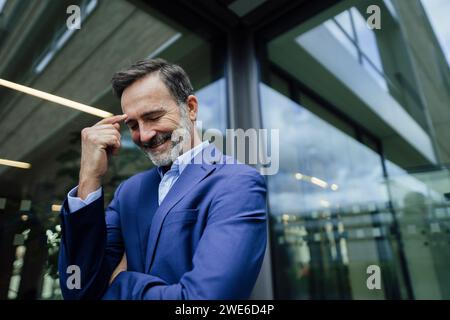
<point>97,142</point>
<point>122,266</point>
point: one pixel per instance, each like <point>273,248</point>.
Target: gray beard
<point>180,143</point>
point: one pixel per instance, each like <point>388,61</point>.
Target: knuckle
<point>84,133</point>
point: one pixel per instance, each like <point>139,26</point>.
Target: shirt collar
<point>183,160</point>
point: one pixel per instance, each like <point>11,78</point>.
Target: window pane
<point>437,12</point>
<point>341,37</point>
<point>394,211</point>
<point>323,201</point>
<point>367,42</point>
<point>344,21</point>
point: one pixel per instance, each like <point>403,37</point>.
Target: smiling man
<point>193,227</point>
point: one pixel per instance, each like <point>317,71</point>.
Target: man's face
<point>156,124</point>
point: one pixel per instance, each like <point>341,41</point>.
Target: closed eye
<point>153,118</point>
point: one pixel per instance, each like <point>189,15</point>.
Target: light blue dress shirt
<point>168,179</point>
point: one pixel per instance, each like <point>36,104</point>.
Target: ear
<point>192,106</point>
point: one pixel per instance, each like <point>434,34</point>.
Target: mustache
<point>157,140</point>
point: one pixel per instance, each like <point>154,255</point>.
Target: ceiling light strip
<point>56,99</point>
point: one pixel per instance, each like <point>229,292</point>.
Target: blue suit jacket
<point>205,241</point>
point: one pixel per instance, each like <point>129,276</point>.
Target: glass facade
<point>435,10</point>
<point>349,194</point>
<point>362,114</point>
<point>350,28</point>
<point>327,203</point>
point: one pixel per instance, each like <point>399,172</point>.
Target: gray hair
<point>173,76</point>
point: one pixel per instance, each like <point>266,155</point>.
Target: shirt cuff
<point>75,203</point>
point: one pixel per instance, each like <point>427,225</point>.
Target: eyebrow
<point>146,114</point>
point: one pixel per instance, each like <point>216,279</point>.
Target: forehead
<point>146,94</point>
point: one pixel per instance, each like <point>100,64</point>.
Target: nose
<point>145,134</point>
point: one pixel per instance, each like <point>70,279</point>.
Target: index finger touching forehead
<point>113,119</point>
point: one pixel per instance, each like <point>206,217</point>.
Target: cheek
<point>171,122</point>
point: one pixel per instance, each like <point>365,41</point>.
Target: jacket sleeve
<point>75,203</point>
<point>92,242</point>
<point>229,254</point>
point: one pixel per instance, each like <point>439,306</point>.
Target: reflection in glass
<point>364,177</point>
<point>328,204</point>
<point>344,38</point>
<point>212,105</point>
<point>437,12</point>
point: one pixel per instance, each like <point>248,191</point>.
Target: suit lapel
<point>148,204</point>
<point>192,174</point>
